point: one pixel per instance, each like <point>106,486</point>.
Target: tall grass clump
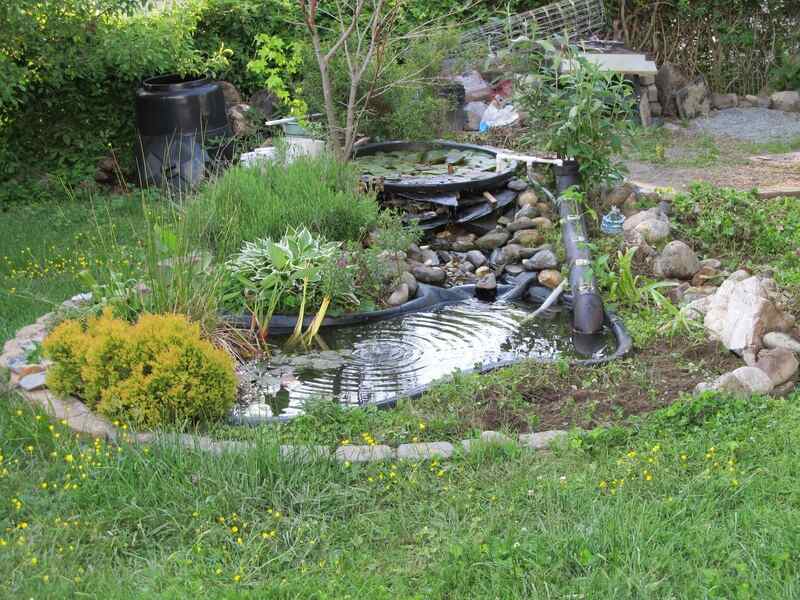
<point>247,203</point>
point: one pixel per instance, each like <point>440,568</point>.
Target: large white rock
<point>741,312</point>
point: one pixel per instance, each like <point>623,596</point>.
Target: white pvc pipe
<point>551,299</point>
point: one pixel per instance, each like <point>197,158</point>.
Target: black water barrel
<point>182,126</point>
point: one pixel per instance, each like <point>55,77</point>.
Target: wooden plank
<point>632,64</point>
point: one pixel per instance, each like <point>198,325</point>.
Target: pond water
<point>375,362</point>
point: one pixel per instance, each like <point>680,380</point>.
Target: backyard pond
<point>377,362</point>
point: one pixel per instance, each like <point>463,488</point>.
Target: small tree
<point>361,30</point>
<point>578,110</point>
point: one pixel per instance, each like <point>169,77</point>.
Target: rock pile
<point>746,315</point>
<point>679,97</point>
<point>515,243</point>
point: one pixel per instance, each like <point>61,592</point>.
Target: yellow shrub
<point>156,371</point>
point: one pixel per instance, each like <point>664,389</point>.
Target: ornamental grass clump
<point>244,204</point>
<point>156,371</point>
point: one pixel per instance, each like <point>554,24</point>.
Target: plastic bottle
<point>612,222</point>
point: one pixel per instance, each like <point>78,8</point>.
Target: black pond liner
<point>429,297</point>
<point>437,183</point>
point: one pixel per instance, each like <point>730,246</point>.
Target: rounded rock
<point>550,278</point>
<point>677,260</point>
<point>527,198</point>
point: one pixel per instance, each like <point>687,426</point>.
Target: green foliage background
<point>69,68</point>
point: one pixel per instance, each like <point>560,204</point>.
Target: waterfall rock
<point>528,238</point>
<point>550,278</point>
<point>517,185</point>
<point>426,274</point>
<point>543,223</point>
<point>399,296</point>
<point>486,287</point>
<point>527,198</point>
<point>521,223</point>
<point>529,211</point>
<point>465,243</point>
<point>410,282</point>
<point>544,259</point>
<point>476,257</point>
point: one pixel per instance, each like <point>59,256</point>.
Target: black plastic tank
<point>455,115</point>
<point>182,126</point>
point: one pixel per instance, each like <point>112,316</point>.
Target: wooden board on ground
<point>630,64</point>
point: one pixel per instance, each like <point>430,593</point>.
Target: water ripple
<point>388,358</point>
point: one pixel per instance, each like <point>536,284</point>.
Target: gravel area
<point>752,124</point>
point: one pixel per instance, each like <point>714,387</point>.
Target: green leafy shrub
<point>72,68</point>
<point>235,24</point>
<point>581,114</point>
<point>786,74</point>
<point>154,372</point>
<point>275,64</point>
<point>247,204</point>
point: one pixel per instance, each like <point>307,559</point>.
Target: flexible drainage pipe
<point>588,312</point>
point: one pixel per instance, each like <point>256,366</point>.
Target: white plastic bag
<point>498,117</point>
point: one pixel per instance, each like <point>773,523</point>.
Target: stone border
<point>28,379</point>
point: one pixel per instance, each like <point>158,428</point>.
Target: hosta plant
<point>295,274</point>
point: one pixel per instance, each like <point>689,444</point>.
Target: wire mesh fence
<point>573,19</point>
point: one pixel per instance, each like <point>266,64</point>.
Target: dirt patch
<point>586,397</point>
<point>714,155</point>
<point>741,175</point>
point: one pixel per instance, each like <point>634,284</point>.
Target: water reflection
<point>377,361</point>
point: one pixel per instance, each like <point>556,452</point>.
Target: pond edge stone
<point>80,418</point>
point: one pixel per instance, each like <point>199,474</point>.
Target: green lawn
<point>701,500</point>
<point>43,247</point>
<point>698,500</point>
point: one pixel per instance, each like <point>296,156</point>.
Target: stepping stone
<point>541,440</point>
<point>363,453</point>
<point>425,451</point>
